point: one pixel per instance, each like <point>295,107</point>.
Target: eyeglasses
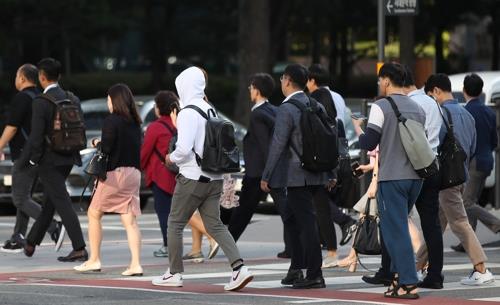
<point>250,87</point>
<point>282,77</point>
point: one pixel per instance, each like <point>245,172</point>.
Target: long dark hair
<point>123,102</point>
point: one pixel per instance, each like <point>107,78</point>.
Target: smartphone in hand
<point>358,116</point>
<point>356,172</point>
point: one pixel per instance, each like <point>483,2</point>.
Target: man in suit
<point>53,168</point>
<point>255,150</point>
<point>299,218</point>
<point>15,134</point>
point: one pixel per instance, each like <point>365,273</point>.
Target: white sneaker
<point>477,278</point>
<point>168,279</point>
<point>239,279</point>
<point>330,262</point>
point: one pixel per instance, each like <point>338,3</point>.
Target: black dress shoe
<point>74,256</point>
<point>431,283</point>
<point>318,282</point>
<point>29,250</point>
<point>292,276</point>
<point>347,231</point>
<point>376,280</point>
<point>283,254</point>
<point>458,248</point>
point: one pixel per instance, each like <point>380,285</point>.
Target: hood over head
<point>190,86</point>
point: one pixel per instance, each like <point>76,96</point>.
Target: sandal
<point>394,284</point>
<point>407,292</point>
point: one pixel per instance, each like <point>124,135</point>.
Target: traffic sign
<point>401,7</point>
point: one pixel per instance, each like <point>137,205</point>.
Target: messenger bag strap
<point>400,117</point>
<point>156,151</point>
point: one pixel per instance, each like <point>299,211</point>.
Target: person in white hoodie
<point>196,189</point>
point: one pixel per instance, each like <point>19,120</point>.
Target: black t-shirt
<point>20,117</point>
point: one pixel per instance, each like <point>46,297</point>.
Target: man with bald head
<point>15,133</point>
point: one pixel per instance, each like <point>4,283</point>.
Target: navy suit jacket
<point>258,138</point>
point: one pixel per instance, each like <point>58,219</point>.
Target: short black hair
<point>264,83</point>
<point>473,85</point>
<point>51,68</point>
<point>166,101</point>
<point>395,72</point>
<point>439,80</point>
<point>297,74</point>
<point>320,75</point>
<point>30,72</point>
<point>409,79</point>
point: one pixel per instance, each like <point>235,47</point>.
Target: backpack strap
<point>400,117</point>
<point>173,132</point>
<point>206,116</point>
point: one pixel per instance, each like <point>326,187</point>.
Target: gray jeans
<point>190,195</point>
<point>23,180</point>
<point>472,192</point>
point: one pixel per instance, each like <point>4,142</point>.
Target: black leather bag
<point>98,165</point>
<point>451,157</point>
<point>367,238</point>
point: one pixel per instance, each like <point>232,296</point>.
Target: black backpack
<point>220,153</point>
<point>451,157</point>
<point>67,135</point>
<point>319,138</point>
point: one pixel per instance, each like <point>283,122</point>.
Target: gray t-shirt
<point>394,164</point>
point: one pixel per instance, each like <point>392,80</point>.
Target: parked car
<point>491,92</point>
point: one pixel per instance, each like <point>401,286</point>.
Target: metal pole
<point>381,31</point>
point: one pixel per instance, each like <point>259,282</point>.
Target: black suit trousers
<point>249,199</point>
<point>301,223</point>
<point>56,198</point>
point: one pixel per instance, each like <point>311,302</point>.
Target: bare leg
<point>197,231</point>
<point>416,238</point>
<point>95,235</point>
<point>129,221</point>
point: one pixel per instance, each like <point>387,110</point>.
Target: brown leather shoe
<point>29,250</point>
<point>74,256</point>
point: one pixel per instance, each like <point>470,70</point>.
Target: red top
<point>157,137</point>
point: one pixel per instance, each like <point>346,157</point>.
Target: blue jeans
<point>163,202</point>
<point>395,200</point>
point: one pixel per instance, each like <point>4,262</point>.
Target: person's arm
<point>261,128</point>
<point>187,125</point>
<point>108,135</point>
<point>8,134</point>
<point>282,131</point>
<point>370,139</point>
<point>148,146</point>
<point>40,115</point>
<point>372,188</point>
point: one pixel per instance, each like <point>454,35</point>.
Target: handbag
<point>416,145</point>
<point>451,157</point>
<point>98,165</point>
<point>367,236</point>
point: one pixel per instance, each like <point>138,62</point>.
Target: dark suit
<point>283,169</point>
<point>53,169</point>
<point>255,151</point>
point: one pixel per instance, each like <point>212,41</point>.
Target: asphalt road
<point>43,280</point>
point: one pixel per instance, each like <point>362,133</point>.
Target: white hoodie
<point>190,85</point>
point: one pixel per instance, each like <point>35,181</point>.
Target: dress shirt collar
<point>290,96</point>
<point>50,87</point>
<point>258,104</point>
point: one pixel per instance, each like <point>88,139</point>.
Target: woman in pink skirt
<point>119,192</point>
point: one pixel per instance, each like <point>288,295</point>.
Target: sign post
<point>400,7</point>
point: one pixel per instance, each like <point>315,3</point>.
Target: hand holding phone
<point>358,116</point>
<point>355,171</point>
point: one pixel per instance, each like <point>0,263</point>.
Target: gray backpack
<point>416,144</point>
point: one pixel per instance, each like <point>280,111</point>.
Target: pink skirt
<point>119,193</point>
